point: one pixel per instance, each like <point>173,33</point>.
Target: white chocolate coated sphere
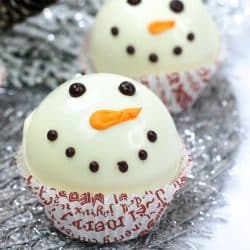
<point>152,37</point>
<point>60,142</point>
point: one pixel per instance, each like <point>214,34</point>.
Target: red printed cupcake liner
<point>179,91</point>
<point>101,218</point>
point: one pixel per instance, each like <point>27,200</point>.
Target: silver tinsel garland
<point>44,51</point>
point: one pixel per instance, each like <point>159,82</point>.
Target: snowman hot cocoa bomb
<point>171,46</point>
<point>103,155</point>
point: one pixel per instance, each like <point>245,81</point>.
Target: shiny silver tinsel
<point>44,51</point>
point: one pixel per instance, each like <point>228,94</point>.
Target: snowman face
<point>144,37</point>
<point>102,133</point>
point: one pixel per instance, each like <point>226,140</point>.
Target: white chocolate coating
<point>46,160</point>
<point>108,52</point>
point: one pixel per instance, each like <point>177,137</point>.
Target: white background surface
<point>235,234</point>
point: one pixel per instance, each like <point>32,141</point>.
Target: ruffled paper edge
<point>186,164</point>
<point>60,206</point>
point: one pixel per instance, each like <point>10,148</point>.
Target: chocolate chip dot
<point>143,155</point>
<point>123,166</point>
<point>127,88</point>
<point>176,6</point>
<point>114,31</point>
<point>77,89</point>
<point>94,166</point>
<point>130,50</point>
<point>134,2</point>
<point>177,50</point>
<point>190,37</point>
<point>70,152</point>
<point>152,136</point>
<point>153,58</point>
<point>52,135</point>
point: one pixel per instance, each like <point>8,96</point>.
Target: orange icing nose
<point>103,119</point>
<point>158,27</point>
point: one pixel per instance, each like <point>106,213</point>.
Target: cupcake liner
<point>177,90</point>
<point>100,218</point>
<point>2,73</point>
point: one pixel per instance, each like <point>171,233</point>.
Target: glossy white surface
<point>69,116</point>
<point>109,54</point>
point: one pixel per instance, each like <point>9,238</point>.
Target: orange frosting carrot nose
<point>103,119</point>
<point>158,27</point>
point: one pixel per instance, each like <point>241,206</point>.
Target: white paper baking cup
<point>177,90</point>
<point>100,218</point>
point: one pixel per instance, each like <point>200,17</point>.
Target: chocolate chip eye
<point>143,155</point>
<point>94,166</point>
<point>77,89</point>
<point>123,166</point>
<point>190,37</point>
<point>152,136</point>
<point>134,2</point>
<point>130,50</point>
<point>176,6</point>
<point>177,50</point>
<point>52,135</point>
<point>114,31</point>
<point>70,152</point>
<point>127,88</point>
<point>153,58</point>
